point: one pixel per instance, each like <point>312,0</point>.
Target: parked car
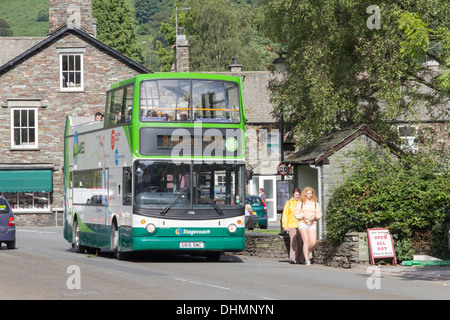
<point>7,224</point>
<point>259,209</point>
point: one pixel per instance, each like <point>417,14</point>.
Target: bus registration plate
<point>199,244</point>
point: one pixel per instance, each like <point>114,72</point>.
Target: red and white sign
<point>381,244</point>
<point>283,169</point>
<point>115,136</point>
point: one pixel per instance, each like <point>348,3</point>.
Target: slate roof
<point>11,47</point>
<point>332,142</point>
<point>40,45</point>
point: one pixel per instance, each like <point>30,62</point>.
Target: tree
<point>5,29</point>
<point>145,9</point>
<point>42,11</point>
<point>350,62</point>
<point>116,27</point>
<point>217,31</point>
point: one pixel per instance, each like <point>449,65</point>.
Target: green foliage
<point>340,72</point>
<point>5,29</point>
<point>217,31</point>
<point>116,27</point>
<point>42,11</point>
<point>407,195</point>
<point>22,16</point>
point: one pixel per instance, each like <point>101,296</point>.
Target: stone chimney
<point>181,50</point>
<point>235,66</point>
<point>73,13</point>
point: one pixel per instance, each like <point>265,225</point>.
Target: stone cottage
<point>43,81</point>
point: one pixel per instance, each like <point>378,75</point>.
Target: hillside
<point>23,17</point>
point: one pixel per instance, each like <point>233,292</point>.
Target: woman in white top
<point>308,212</point>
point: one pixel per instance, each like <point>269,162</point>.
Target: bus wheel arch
<point>115,240</point>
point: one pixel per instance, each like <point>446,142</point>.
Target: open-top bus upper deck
<point>166,109</point>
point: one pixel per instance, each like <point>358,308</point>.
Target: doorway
<point>268,183</point>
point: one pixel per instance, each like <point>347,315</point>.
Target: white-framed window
<point>408,136</point>
<point>71,69</point>
<point>24,128</point>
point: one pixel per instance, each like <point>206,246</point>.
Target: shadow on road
<point>162,257</point>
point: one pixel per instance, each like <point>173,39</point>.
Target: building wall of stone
<point>72,12</point>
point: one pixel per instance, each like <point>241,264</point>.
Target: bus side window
<point>116,107</point>
<point>119,106</point>
<point>113,114</point>
<point>126,198</point>
<point>128,103</point>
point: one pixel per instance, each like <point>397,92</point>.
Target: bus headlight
<point>150,228</point>
<point>232,228</point>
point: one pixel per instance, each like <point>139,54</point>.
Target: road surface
<point>44,266</point>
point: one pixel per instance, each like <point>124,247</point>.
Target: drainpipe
<point>319,196</point>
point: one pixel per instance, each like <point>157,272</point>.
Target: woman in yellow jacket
<point>290,225</point>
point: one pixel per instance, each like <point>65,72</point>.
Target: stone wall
<point>345,255</point>
<point>71,12</point>
<point>266,245</point>
<point>43,219</point>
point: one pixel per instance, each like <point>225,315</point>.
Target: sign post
<point>381,244</point>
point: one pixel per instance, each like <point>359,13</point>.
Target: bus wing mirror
<point>249,174</point>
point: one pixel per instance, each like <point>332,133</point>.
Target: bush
<point>42,12</point>
<point>408,196</point>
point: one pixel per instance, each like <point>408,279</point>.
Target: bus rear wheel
<point>76,238</point>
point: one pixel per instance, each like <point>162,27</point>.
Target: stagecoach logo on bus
<point>180,232</point>
<point>231,144</point>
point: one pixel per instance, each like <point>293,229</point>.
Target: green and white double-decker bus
<point>164,171</point>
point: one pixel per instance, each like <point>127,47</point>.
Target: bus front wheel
<point>115,243</point>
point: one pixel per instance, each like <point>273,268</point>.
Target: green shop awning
<point>26,180</point>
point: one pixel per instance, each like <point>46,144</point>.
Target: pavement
<point>430,273</point>
<point>417,272</point>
